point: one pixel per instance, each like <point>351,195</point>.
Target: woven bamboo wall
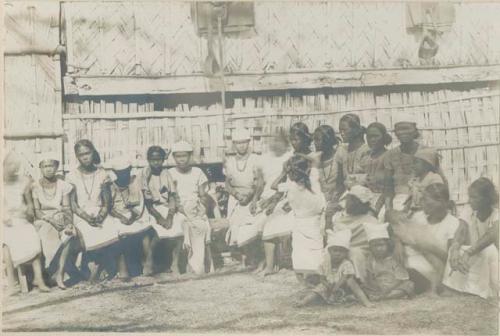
<point>158,38</point>
<point>462,123</point>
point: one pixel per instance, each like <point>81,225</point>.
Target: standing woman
<point>325,142</point>
<point>21,243</point>
<point>54,219</point>
<point>91,202</point>
<point>243,180</point>
<point>308,204</point>
<point>373,163</point>
<point>160,200</point>
<point>350,155</point>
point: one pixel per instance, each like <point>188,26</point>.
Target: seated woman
<point>54,219</point>
<point>127,208</point>
<point>243,180</point>
<point>21,243</point>
<point>90,202</point>
<point>427,235</point>
<point>357,213</point>
<point>473,262</point>
<point>308,204</point>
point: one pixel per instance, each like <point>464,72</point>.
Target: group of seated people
<point>366,223</point>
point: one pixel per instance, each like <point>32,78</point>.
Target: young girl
<point>21,243</point>
<point>373,163</point>
<point>349,156</point>
<point>338,275</point>
<point>308,204</point>
<point>54,219</point>
<point>426,164</point>
<point>278,205</point>
<point>190,183</point>
<point>356,215</point>
<point>127,208</point>
<point>428,234</point>
<point>473,265</point>
<point>325,142</point>
<point>160,199</point>
<point>386,278</point>
<point>276,223</point>
<point>90,202</point>
<point>243,179</point>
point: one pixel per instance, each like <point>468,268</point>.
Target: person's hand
<point>245,200</point>
<point>454,257</point>
<point>253,208</point>
<point>69,230</point>
<point>463,262</point>
<point>286,207</point>
<point>124,220</point>
<point>57,225</point>
<point>169,222</point>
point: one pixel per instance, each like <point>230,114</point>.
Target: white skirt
<point>307,244</point>
<point>51,239</point>
<point>177,229</point>
<point>278,224</point>
<point>97,237</point>
<point>22,240</point>
<point>245,227</point>
<point>482,278</point>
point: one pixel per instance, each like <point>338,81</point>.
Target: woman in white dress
<point>21,243</point>
<point>90,202</point>
<point>160,201</point>
<point>473,263</point>
<point>308,205</point>
<point>54,219</point>
<point>243,180</point>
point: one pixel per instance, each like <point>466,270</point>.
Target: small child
<point>426,166</point>
<point>338,275</point>
<point>386,277</point>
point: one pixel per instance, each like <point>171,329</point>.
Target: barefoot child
<point>54,218</point>
<point>127,208</point>
<point>189,183</point>
<point>21,243</point>
<point>338,275</point>
<point>160,201</point>
<point>198,238</point>
<point>386,277</point>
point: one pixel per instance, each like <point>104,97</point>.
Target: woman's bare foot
<point>60,281</point>
<point>41,286</point>
<point>147,270</point>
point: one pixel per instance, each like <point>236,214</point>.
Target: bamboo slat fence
<point>464,125</point>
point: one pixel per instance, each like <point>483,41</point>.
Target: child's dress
<point>385,275</point>
<point>358,252</point>
<point>482,278</point>
<point>330,276</point>
<point>51,206</point>
<point>308,210</point>
<point>244,226</point>
<point>158,189</point>
<point>127,202</point>
<point>277,224</point>
<point>19,236</point>
<point>88,189</point>
<point>418,186</point>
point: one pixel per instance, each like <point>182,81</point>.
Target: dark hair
<point>440,192</point>
<point>416,133</point>
<point>96,158</point>
<point>354,122</point>
<point>328,134</point>
<point>381,127</point>
<point>300,167</point>
<point>486,188</point>
<point>301,129</point>
<point>156,149</point>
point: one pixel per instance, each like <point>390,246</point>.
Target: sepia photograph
<point>250,167</point>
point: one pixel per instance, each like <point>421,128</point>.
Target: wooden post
<point>23,281</point>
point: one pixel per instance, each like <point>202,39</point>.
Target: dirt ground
<point>235,302</point>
